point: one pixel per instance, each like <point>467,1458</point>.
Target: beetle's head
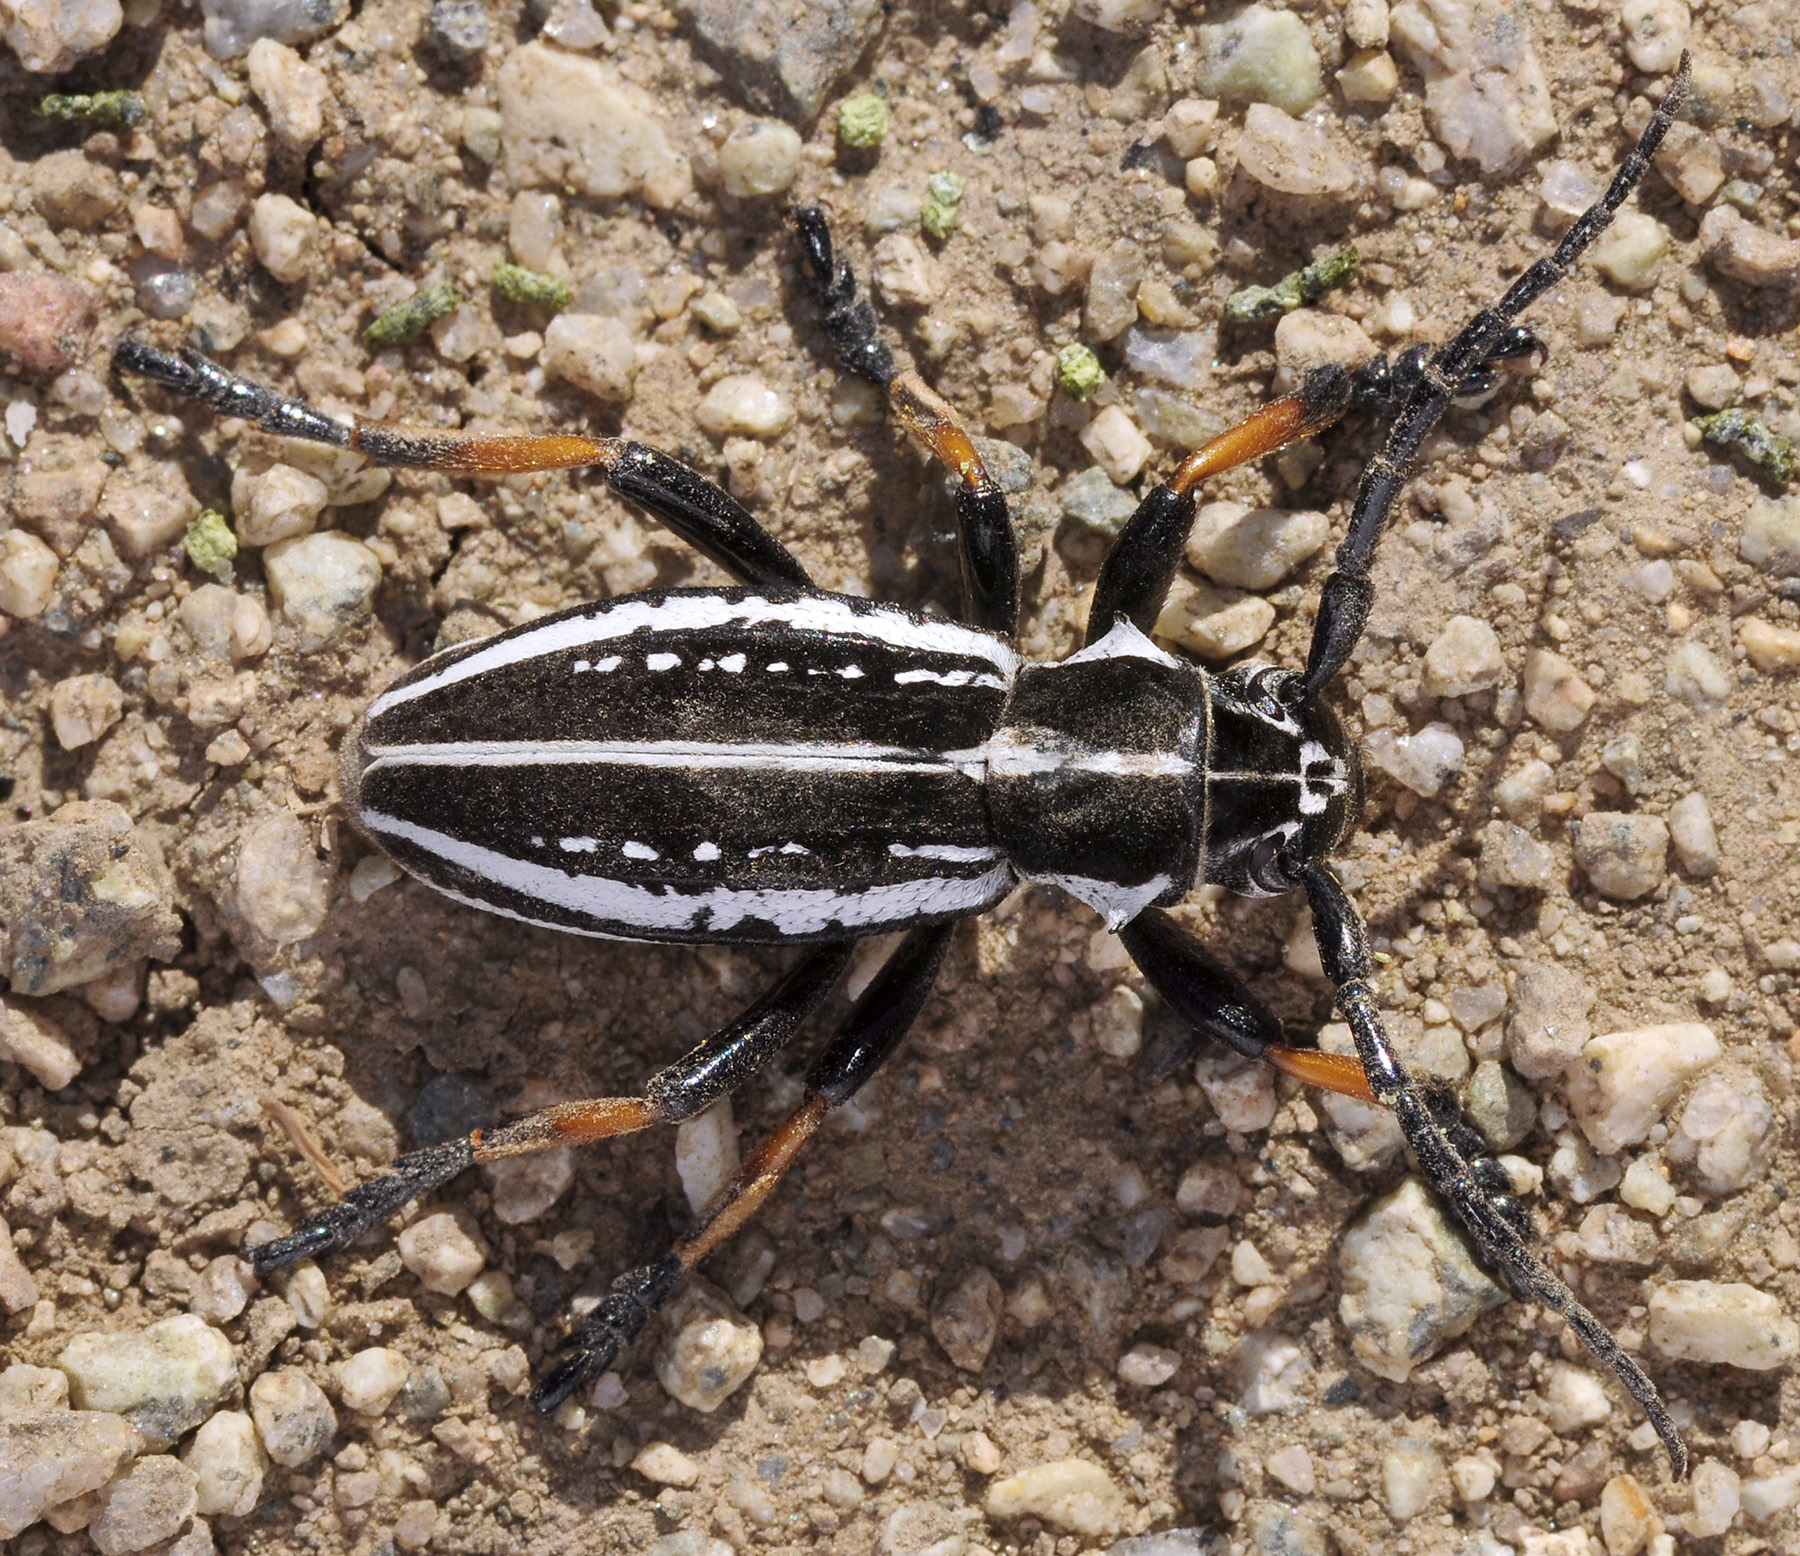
<point>1284,784</point>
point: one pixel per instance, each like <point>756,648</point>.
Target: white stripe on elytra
<point>659,753</point>
<point>696,612</point>
<point>1007,758</point>
<point>1124,642</point>
<point>790,911</point>
<point>950,853</point>
<point>949,678</point>
<point>1117,904</point>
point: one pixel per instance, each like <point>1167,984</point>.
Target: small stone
<point>233,25</point>
<point>1253,548</point>
<point>1765,1496</point>
<point>783,60</point>
<point>524,1188</point>
<point>294,1419</point>
<point>1624,1080</point>
<point>1723,1324</point>
<point>1072,1494</point>
<point>417,1523</point>
<point>1465,657</point>
<point>1119,15</point>
<point>53,38</point>
<point>1655,34</point>
<point>1611,1235</point>
<point>1726,1132</point>
<point>277,504</point>
<point>481,132</point>
<point>1623,854</point>
<point>880,1455</point>
<point>744,405</point>
<point>1292,1467</point>
<point>444,1254</point>
<point>709,1349</point>
<point>1716,1499</point>
<point>226,625</point>
<point>1485,93</point>
<point>1770,649</point>
<point>1771,538</point>
<point>1240,1093</point>
<point>1423,762</point>
<point>147,509</point>
<point>1695,677</point>
<point>50,1456</point>
<point>164,1379</point>
<point>1118,1023</point>
<point>920,1529</point>
<point>1215,623</point>
<point>18,1291</point>
<point>1148,1366</point>
<point>1511,856</point>
<point>1574,1399</point>
<point>292,92</point>
<point>44,320</point>
<point>1631,251</point>
<point>283,886</point>
<point>1113,441</point>
<point>148,1503</point>
<point>323,584</point>
<point>759,158</point>
<point>1309,338</point>
<point>1713,388</point>
<point>980,1456</point>
<point>1628,1518</point>
<point>459,28</point>
<point>369,1380</point>
<point>1555,695</point>
<point>1091,500</point>
<point>594,353</point>
<point>1261,55</point>
<point>228,1462</point>
<point>1109,307</point>
<point>1410,1283</point>
<point>1209,1191</point>
<point>28,571</point>
<point>1193,1254</point>
<point>576,123</point>
<point>1413,1480</point>
<point>1646,1187</point>
<point>282,231</point>
<point>666,1464</point>
<point>83,708</point>
<point>1739,250</point>
<point>706,1153</point>
<point>966,1319</point>
<point>24,1388</point>
<point>827,1371</point>
<point>1499,1105</point>
<point>1294,156</point>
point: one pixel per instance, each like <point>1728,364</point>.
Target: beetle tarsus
<point>611,1329</point>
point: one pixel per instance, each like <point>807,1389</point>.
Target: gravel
<point>1463,658</point>
<point>1695,677</point>
<point>292,93</point>
<point>276,504</point>
<point>1116,444</point>
<point>1626,1079</point>
<point>706,1153</point>
<point>50,1456</point>
<point>44,321</point>
<point>1623,854</point>
<point>294,1420</point>
<point>149,1502</point>
<point>1261,55</point>
<point>1071,1494</point>
<point>324,585</point>
<point>1555,694</point>
<point>1294,156</point>
<point>1422,762</point>
<point>1722,1323</point>
<point>1253,548</point>
<point>1725,1133</point>
<point>1485,94</point>
<point>760,157</point>
<point>369,1380</point>
<point>83,708</point>
<point>709,1349</point>
<point>283,886</point>
<point>164,1379</point>
<point>147,508</point>
<point>228,1462</point>
<point>744,405</point>
<point>442,1251</point>
<point>1413,1480</point>
<point>1742,251</point>
<point>778,58</point>
<point>1771,536</point>
<point>284,235</point>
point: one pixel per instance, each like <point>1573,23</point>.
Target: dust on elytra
<point>1013,1300</point>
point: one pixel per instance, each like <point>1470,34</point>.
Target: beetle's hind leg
<point>684,501</point>
<point>870,1033</point>
<point>688,1086</point>
<point>990,551</point>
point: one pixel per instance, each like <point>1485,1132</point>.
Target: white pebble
<point>373,873</point>
<point>1740,250</point>
<point>525,1187</point>
<point>1555,694</point>
<point>1261,55</point>
<point>294,1419</point>
<point>1294,156</point>
<point>323,584</point>
<point>1750,1438</point>
<point>744,405</point>
<point>1574,1398</point>
<point>1270,1371</point>
<point>1725,1133</point>
<point>1215,623</point>
<point>1292,1466</point>
<point>1771,538</point>
<point>706,1153</point>
<point>1423,762</point>
<point>1463,658</point>
<point>28,570</point>
<point>1716,1499</point>
<point>1764,1496</point>
<point>1655,33</point>
<point>1148,1366</point>
<point>594,352</point>
<point>1646,1187</point>
<point>709,1349</point>
<point>1722,1323</point>
<point>1118,15</point>
<point>1511,856</point>
<point>759,158</point>
<point>1624,1080</point>
<point>1253,548</point>
<point>292,92</point>
<point>666,1464</point>
<point>1369,76</point>
<point>276,504</point>
<point>145,1505</point>
<point>1118,1022</point>
<point>1694,676</point>
<point>83,708</point>
<point>1485,95</point>
<point>228,1461</point>
<point>1473,1479</point>
<point>1115,444</point>
<point>1623,853</point>
<point>1631,251</point>
<point>369,1380</point>
<point>442,1253</point>
<point>308,1293</point>
<point>1413,1479</point>
<point>283,886</point>
<point>282,232</point>
<point>1072,1494</point>
<point>70,1454</point>
<point>164,1379</point>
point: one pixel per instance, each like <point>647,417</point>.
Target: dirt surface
<point>1005,1137</point>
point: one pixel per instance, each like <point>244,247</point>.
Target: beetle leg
<point>684,501</point>
<point>990,551</point>
<point>1348,593</point>
<point>1444,1153</point>
<point>688,1086</point>
<point>867,1038</point>
<point>1218,1005</point>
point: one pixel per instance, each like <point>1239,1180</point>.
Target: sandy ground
<point>1002,1137</point>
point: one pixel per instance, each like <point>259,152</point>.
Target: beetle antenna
<point>1348,593</point>
<point>849,320</point>
<point>1450,1156</point>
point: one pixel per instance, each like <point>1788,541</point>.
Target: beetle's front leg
<point>869,1035</point>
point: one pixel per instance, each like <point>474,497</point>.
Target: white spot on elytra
<point>662,661</point>
<point>536,841</point>
<point>579,845</point>
<point>582,664</point>
<point>778,667</point>
<point>851,672</point>
<point>611,662</point>
<point>707,852</point>
<point>638,851</point>
<point>732,664</point>
<point>794,848</point>
<point>706,664</point>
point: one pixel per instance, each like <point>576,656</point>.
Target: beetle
<point>773,764</point>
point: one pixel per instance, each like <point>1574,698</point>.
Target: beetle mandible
<point>773,764</point>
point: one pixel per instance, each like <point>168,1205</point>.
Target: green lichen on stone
<point>120,109</point>
<point>532,287</point>
<point>406,323</point>
<point>211,546</point>
<point>943,194</point>
<point>862,121</point>
<point>1738,429</point>
<point>1293,291</point>
<point>1078,372</point>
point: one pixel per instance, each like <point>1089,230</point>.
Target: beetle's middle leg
<point>989,548</point>
<point>688,1086</point>
<point>869,1035</point>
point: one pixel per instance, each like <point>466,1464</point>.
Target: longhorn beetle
<point>773,764</point>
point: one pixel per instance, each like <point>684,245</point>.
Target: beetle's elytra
<point>772,763</point>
